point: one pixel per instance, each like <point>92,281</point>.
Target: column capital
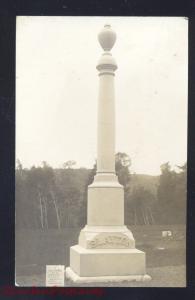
<point>106,64</point>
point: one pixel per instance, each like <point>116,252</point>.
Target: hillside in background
<point>57,198</point>
<point>148,182</point>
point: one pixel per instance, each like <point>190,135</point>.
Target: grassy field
<point>165,257</point>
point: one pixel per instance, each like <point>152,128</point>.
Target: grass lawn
<point>165,257</point>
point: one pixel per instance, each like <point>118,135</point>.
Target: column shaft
<point>106,124</point>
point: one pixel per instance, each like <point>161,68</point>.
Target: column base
<point>72,276</point>
<point>102,265</point>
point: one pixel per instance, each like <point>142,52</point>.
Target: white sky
<point>57,88</point>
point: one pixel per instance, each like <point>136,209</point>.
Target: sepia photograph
<point>101,151</point>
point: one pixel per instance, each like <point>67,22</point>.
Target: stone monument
<point>106,247</point>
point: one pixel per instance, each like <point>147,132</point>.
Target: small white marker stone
<point>55,275</point>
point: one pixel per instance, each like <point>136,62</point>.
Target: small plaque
<point>54,275</point>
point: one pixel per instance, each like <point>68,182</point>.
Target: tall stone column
<point>106,106</point>
<point>106,247</point>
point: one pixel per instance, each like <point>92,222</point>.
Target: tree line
<point>57,198</point>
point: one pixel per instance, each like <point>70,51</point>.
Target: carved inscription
<point>112,241</point>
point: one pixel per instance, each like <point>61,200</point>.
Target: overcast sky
<point>57,88</point>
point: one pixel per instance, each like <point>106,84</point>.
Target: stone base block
<point>71,275</point>
<point>106,237</point>
<point>106,262</point>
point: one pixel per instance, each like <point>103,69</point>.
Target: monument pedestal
<point>103,265</point>
<point>106,249</point>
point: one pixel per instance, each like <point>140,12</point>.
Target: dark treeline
<point>57,198</point>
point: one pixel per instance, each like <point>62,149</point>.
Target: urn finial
<point>107,37</point>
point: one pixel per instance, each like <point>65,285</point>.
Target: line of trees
<point>171,194</point>
<point>57,198</point>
